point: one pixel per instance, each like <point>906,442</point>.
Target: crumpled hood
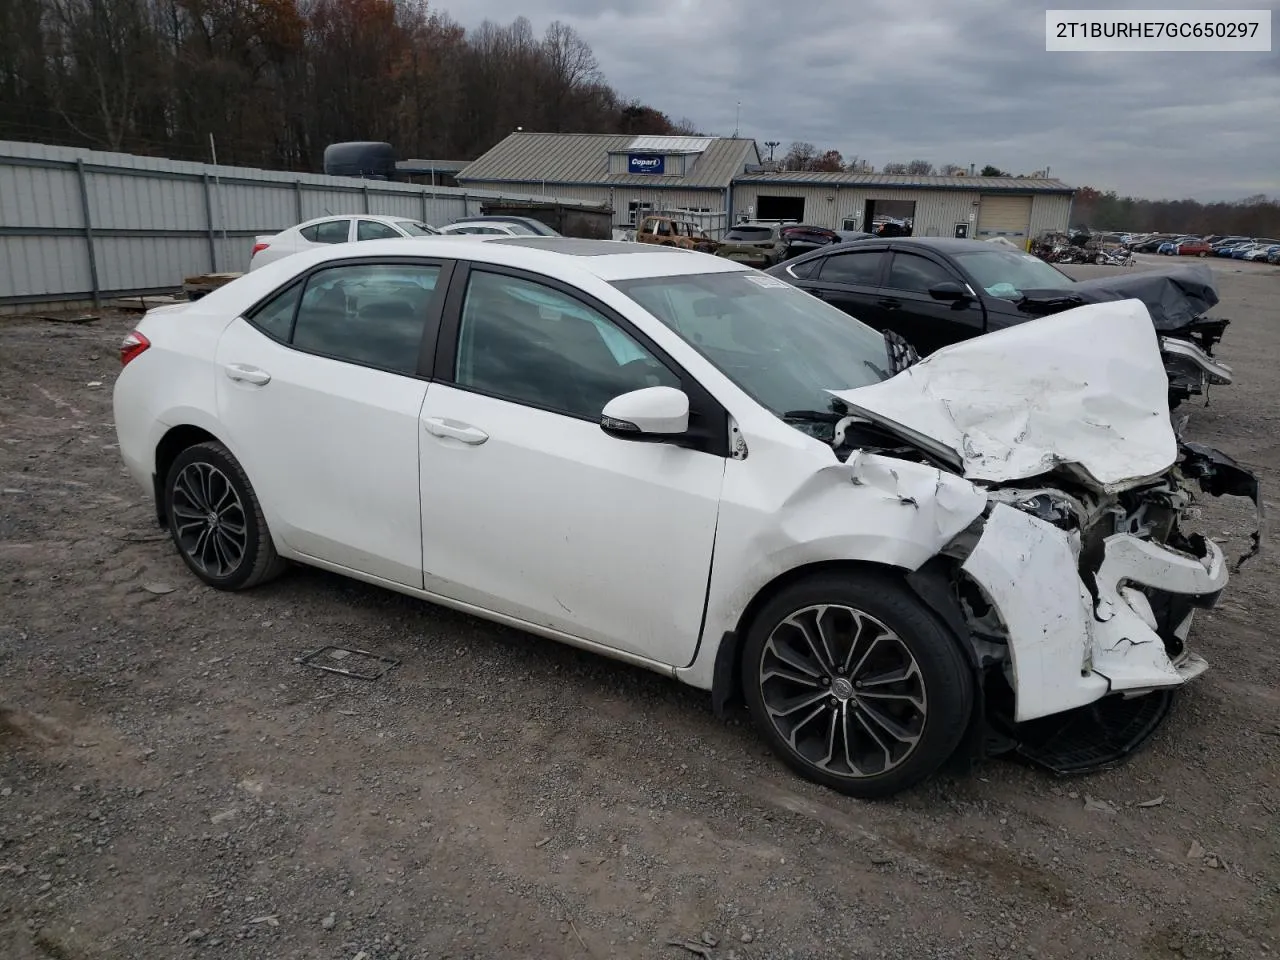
<point>1086,387</point>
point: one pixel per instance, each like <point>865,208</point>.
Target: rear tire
<point>216,521</point>
<point>855,684</point>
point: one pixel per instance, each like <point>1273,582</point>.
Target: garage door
<point>1005,217</point>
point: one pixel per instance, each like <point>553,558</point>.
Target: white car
<point>490,229</point>
<point>671,459</point>
<point>324,231</point>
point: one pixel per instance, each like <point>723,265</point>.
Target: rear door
<point>909,309</point>
<point>320,390</point>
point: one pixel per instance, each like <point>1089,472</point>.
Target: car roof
<point>607,260</point>
<point>380,217</point>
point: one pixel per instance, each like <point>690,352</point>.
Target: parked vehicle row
<point>682,462</point>
<point>1260,249</point>
<point>351,228</point>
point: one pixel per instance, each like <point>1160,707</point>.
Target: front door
<point>320,396</point>
<point>910,310</point>
<point>528,508</point>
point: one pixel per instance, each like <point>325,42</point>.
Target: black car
<point>935,291</point>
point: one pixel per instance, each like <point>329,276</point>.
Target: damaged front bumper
<point>1073,604</point>
<point>1068,648</point>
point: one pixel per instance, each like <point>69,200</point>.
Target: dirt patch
<point>173,783</point>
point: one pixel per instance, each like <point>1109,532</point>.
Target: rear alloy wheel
<point>216,521</point>
<point>856,685</point>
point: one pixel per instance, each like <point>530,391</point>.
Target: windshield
<point>1007,273</point>
<point>415,228</point>
<point>781,346</point>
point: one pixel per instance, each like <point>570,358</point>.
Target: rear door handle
<point>889,303</point>
<point>243,373</point>
<point>455,430</point>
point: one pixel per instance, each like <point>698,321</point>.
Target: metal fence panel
<point>84,224</point>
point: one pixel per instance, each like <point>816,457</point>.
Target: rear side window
<point>750,234</point>
<point>331,231</point>
<point>806,270</point>
<point>275,317</point>
<point>370,314</point>
<point>861,268</point>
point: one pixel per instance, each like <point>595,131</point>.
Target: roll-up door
<point>1004,216</point>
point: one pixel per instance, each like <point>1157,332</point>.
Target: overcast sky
<point>951,81</point>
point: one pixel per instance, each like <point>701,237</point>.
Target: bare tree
<point>920,168</point>
<point>894,169</point>
<point>800,156</point>
<point>951,170</point>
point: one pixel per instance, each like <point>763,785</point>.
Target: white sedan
<point>674,460</point>
<point>492,229</point>
<point>325,231</point>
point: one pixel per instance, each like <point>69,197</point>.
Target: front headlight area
<point>1069,596</point>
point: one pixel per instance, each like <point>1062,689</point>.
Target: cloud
<point>936,79</point>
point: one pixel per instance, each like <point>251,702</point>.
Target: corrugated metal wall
<point>80,224</point>
<point>1050,211</point>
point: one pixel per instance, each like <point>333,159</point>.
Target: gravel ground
<point>173,783</point>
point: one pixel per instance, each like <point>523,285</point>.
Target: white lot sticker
<point>763,281</point>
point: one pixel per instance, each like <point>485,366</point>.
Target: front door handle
<point>243,373</point>
<point>889,303</point>
<point>455,430</point>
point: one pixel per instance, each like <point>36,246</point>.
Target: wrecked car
<point>936,291</point>
<point>679,462</point>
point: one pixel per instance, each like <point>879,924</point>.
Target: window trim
<point>708,418</point>
<point>423,369</point>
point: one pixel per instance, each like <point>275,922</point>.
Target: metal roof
<point>427,166</point>
<point>885,181</point>
<point>583,158</point>
<point>672,144</point>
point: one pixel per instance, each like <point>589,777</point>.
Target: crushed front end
<point>1079,603</point>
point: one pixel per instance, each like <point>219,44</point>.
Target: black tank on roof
<point>359,158</point>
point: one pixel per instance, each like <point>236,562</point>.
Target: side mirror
<point>650,414</point>
<point>948,290</point>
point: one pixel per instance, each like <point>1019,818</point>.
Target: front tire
<point>216,521</point>
<point>855,685</point>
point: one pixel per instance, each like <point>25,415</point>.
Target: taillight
<point>258,248</point>
<point>132,346</point>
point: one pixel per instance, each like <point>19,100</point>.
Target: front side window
<point>370,314</point>
<point>781,346</point>
<point>913,273</point>
<point>373,230</point>
<point>524,341</point>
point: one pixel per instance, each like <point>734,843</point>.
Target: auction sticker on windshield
<point>764,281</point>
<point>1158,31</point>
